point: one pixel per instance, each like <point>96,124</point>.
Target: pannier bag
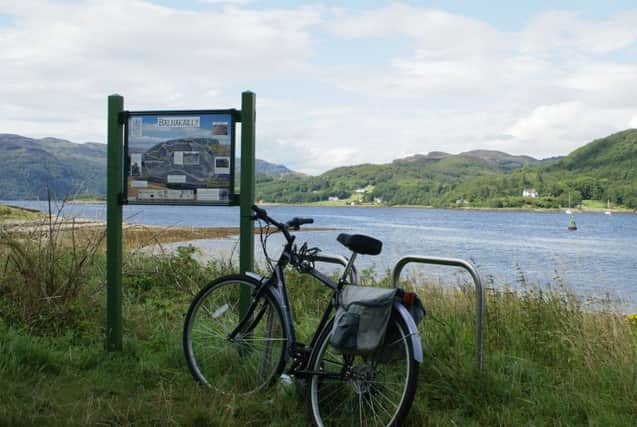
<point>361,318</point>
<point>392,348</point>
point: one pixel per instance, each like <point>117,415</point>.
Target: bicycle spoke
<point>337,408</point>
<point>333,393</point>
<point>360,409</point>
<point>241,365</point>
<point>371,406</point>
<point>381,406</point>
<point>375,394</point>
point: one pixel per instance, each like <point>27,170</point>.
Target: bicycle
<point>239,337</point>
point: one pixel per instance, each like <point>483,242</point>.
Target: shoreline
<point>376,206</point>
<point>538,210</point>
<point>134,235</point>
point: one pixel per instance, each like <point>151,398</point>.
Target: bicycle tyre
<point>365,400</point>
<point>246,364</point>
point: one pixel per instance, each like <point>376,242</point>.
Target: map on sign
<point>179,157</point>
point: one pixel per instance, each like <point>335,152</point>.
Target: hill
<point>604,169</point>
<point>415,180</point>
<point>30,168</point>
<point>502,160</point>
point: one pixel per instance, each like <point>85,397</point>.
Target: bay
<point>598,260</point>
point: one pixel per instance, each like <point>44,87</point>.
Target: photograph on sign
<point>179,157</point>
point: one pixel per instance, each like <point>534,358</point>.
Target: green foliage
<point>10,213</point>
<point>43,274</point>
<point>30,168</point>
<point>603,170</point>
<point>547,358</point>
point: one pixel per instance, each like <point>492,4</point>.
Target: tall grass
<point>45,268</point>
<point>548,359</point>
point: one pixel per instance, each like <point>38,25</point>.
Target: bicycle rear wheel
<point>250,361</point>
<point>376,390</point>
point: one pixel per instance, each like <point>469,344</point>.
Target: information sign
<point>180,157</point>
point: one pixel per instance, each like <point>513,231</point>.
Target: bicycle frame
<point>276,286</point>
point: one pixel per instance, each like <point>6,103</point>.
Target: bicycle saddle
<point>361,244</point>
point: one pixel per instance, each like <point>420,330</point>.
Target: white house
<point>529,192</point>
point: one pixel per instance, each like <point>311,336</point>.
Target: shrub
<point>43,268</point>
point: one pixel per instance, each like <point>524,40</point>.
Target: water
<point>597,260</point>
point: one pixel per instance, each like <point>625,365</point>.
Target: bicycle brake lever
<point>313,251</point>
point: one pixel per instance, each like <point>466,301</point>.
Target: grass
<point>548,360</point>
<point>12,213</point>
<point>600,206</point>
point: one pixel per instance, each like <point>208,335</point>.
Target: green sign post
<point>117,196</point>
<point>114,192</point>
<point>246,199</point>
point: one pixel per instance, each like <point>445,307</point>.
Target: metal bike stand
<point>336,259</point>
<point>453,262</point>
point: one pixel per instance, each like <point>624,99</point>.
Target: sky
<point>336,83</point>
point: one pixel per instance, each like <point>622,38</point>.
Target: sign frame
<point>116,198</point>
<point>233,197</point>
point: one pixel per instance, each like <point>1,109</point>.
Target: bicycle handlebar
<point>294,223</point>
<point>259,213</point>
<point>297,222</point>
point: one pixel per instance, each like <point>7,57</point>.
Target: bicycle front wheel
<point>246,363</point>
<point>373,390</point>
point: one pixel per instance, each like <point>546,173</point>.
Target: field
<point>548,359</point>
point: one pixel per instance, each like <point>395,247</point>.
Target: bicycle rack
<point>452,262</point>
<point>336,259</point>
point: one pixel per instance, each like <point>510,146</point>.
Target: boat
<point>572,226</point>
<point>608,212</point>
<point>568,211</point>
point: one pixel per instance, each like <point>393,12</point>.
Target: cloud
<point>225,2</point>
<point>608,84</point>
<point>61,60</point>
<point>566,125</point>
<point>551,86</point>
<point>557,32</point>
<point>334,86</point>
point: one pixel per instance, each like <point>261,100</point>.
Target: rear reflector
<point>409,298</point>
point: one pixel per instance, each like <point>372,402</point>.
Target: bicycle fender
<point>255,276</point>
<point>272,291</point>
<point>413,330</point>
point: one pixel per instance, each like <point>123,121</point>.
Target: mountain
<point>433,155</point>
<point>420,179</point>
<point>30,168</point>
<point>502,160</point>
<point>603,169</point>
<point>266,168</point>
